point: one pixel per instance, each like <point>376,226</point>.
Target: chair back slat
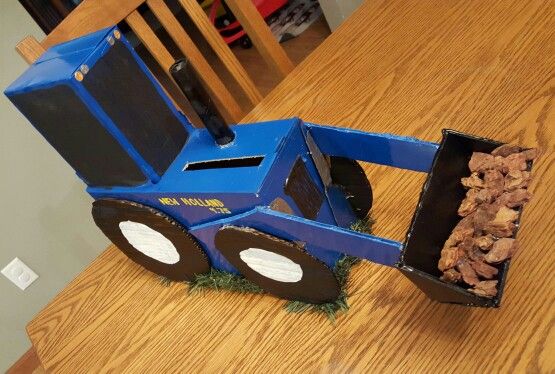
<point>149,39</point>
<point>164,58</point>
<point>222,97</point>
<point>199,17</point>
<point>30,49</point>
<point>90,16</point>
<point>261,36</point>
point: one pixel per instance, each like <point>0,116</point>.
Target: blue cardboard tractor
<point>271,201</point>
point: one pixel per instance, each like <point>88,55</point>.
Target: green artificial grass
<point>363,225</point>
<point>221,280</point>
<point>342,269</point>
<point>166,282</point>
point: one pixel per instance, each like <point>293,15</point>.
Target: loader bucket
<point>436,216</point>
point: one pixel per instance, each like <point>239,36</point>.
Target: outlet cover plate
<point>19,273</point>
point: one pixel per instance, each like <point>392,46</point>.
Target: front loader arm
<point>385,149</point>
<point>316,235</point>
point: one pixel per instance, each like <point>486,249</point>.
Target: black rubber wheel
<point>350,176</point>
<point>280,267</point>
<point>150,238</point>
<point>245,42</point>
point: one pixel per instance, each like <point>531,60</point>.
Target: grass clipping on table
<point>221,280</point>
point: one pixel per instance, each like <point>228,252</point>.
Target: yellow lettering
<point>168,201</point>
<point>217,203</point>
<point>214,205</point>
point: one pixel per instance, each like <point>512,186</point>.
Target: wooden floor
<point>264,77</point>
<point>297,49</point>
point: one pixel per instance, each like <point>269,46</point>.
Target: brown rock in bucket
<point>474,181</point>
<point>515,198</point>
<point>449,258</point>
<point>469,276</point>
<point>484,242</point>
<point>485,288</point>
<point>484,270</point>
<point>502,249</point>
<point>530,154</point>
<point>483,215</point>
<point>505,150</point>
<point>480,162</point>
<point>516,161</point>
<point>516,179</point>
<point>494,181</point>
<point>500,229</point>
<point>505,214</point>
<point>501,224</point>
<point>475,254</point>
<point>475,197</point>
<point>451,276</point>
<point>486,195</point>
<point>463,229</point>
<point>469,203</point>
<point>466,244</point>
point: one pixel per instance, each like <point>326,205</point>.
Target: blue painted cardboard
<point>203,191</point>
<point>177,194</point>
<point>384,149</point>
<point>201,196</point>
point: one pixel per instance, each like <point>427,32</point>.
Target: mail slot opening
<point>243,162</point>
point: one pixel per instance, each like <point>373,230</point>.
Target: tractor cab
<point>79,96</point>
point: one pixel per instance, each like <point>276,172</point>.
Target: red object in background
<point>234,31</point>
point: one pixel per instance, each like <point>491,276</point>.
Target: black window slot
<point>243,162</point>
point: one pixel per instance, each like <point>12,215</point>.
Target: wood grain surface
<point>30,49</point>
<point>406,67</point>
<point>93,15</point>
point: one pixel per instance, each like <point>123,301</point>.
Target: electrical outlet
<point>19,273</point>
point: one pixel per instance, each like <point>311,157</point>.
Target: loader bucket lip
<point>422,270</point>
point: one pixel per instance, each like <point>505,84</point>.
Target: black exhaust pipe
<point>187,80</point>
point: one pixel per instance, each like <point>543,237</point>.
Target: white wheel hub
<point>272,265</point>
<point>149,242</point>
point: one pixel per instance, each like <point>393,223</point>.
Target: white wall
<point>337,11</point>
<point>44,212</point>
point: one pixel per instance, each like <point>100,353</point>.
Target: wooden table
<point>410,68</point>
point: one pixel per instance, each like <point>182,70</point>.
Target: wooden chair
<point>93,15</point>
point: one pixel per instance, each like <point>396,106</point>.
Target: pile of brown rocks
<point>483,239</point>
